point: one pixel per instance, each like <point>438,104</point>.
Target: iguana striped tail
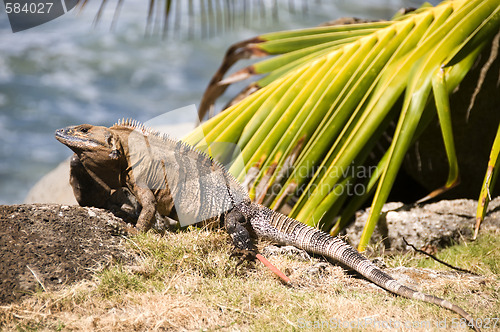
<point>288,231</point>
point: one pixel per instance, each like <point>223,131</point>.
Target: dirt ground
<point>47,246</point>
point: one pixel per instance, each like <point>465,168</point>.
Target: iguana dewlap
<point>168,176</point>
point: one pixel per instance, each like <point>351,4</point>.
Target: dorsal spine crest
<point>146,131</point>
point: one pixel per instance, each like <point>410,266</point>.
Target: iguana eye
<point>84,130</point>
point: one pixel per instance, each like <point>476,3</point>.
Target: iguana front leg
<point>234,222</point>
<point>236,226</point>
<point>148,202</point>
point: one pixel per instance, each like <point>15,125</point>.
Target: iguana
<point>170,177</point>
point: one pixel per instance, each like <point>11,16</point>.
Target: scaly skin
<point>160,171</point>
<point>104,154</point>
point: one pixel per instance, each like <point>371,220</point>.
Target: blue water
<point>68,72</point>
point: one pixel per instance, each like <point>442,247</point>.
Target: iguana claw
<point>244,254</point>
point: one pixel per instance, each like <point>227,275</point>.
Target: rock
<point>46,246</point>
<point>434,225</point>
<point>289,251</point>
<point>318,269</point>
<point>53,187</point>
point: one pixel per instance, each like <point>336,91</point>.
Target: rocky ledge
<point>427,226</point>
<point>45,246</point>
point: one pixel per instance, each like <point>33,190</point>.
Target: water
<point>67,72</point>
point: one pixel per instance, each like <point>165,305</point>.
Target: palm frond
<point>328,96</point>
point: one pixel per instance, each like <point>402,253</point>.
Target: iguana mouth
<point>67,136</point>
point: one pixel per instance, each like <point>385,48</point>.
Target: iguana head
<point>98,143</point>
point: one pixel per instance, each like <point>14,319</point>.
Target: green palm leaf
<point>329,94</point>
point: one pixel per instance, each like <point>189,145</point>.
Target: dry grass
<point>188,281</point>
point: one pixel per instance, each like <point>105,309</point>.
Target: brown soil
<point>47,246</point>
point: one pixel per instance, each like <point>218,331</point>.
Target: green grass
<point>481,256</point>
<point>188,280</point>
